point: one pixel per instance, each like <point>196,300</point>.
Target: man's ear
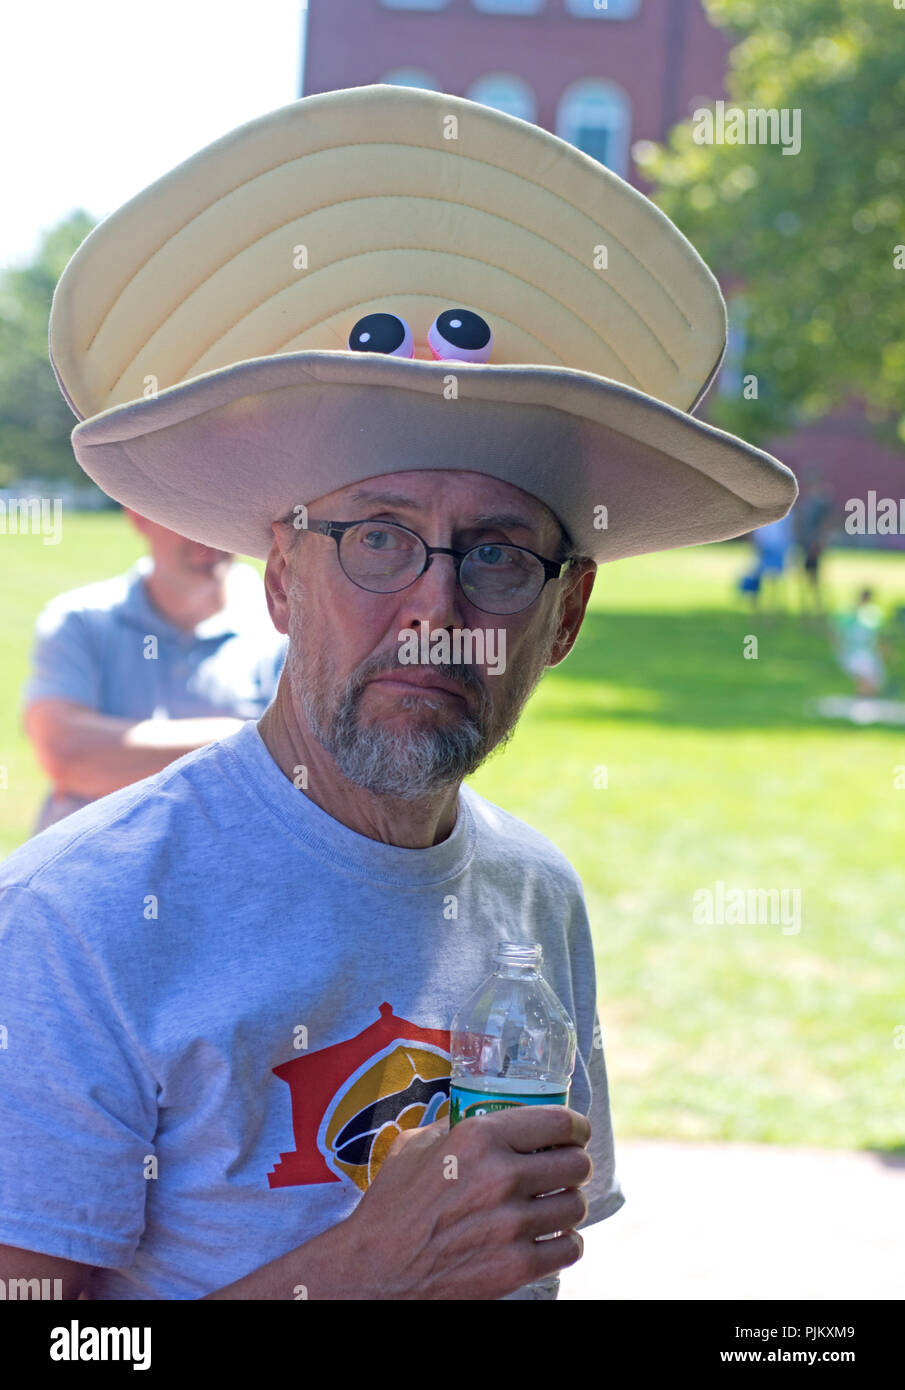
<point>276,580</point>
<point>579,585</point>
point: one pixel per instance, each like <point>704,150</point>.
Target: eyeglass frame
<point>553,569</point>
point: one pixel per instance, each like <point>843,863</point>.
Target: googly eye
<point>458,335</point>
<point>386,333</point>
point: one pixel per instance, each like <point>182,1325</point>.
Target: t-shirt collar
<point>343,848</point>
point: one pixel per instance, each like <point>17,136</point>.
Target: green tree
<point>35,421</point>
<point>817,237</point>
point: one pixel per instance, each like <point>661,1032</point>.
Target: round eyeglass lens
<point>381,558</point>
<point>501,578</point>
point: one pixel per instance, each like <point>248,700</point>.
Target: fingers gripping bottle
<point>512,1042</point>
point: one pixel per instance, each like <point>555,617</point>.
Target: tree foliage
<point>35,421</point>
<point>817,238</point>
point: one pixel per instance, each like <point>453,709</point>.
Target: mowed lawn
<point>715,769</point>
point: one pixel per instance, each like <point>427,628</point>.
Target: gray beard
<point>408,764</point>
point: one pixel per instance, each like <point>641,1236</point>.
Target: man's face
<point>395,739</point>
<point>178,557</point>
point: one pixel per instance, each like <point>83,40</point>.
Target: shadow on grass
<point>692,671</point>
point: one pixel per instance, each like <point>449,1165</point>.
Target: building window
<point>415,4</point>
<point>596,117</point>
<point>603,9</point>
<point>410,77</point>
<point>505,92</point>
<point>509,6</point>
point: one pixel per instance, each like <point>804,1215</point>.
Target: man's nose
<point>435,597</point>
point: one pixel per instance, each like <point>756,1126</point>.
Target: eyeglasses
<point>385,558</point>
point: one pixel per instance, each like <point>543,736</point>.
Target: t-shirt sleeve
<point>603,1192</point>
<point>78,1110</point>
<point>65,664</point>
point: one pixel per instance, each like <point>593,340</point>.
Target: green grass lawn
<point>716,769</point>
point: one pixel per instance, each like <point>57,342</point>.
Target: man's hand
<point>453,1214</point>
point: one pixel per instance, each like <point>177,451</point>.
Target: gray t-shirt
<point>220,1003</point>
<point>107,647</point>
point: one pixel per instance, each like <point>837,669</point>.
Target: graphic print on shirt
<point>351,1100</point>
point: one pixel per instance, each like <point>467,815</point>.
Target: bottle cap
<point>519,953</point>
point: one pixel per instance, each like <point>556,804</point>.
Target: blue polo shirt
<point>107,647</point>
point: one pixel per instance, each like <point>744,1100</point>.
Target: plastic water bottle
<point>512,1043</point>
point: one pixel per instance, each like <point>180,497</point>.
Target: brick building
<point>600,78</point>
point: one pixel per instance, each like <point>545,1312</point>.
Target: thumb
<point>422,1134</point>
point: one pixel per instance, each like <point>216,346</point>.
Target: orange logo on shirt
<point>351,1100</point>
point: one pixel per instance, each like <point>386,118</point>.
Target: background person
<point>813,517</point>
<point>857,638</point>
<point>104,708</point>
<point>771,545</point>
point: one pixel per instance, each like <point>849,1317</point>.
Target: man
<point>245,968</point>
<point>376,837</point>
<point>131,673</point>
<point>813,515</point>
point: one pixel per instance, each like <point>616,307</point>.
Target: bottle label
<point>464,1103</point>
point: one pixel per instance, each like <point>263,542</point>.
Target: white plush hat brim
<point>219,457</point>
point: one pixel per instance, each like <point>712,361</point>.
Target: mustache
<point>464,673</point>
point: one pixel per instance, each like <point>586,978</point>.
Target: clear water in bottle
<point>512,1043</point>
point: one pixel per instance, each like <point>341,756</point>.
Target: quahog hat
<point>201,334</point>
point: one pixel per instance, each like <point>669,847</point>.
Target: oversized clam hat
<point>379,279</point>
